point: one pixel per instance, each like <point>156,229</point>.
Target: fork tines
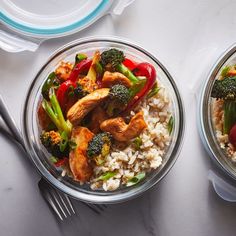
<point>58,201</point>
<point>61,203</point>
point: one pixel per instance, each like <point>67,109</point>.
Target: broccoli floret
<point>99,146</point>
<point>55,144</point>
<point>119,93</point>
<point>113,59</point>
<point>226,89</point>
<point>119,97</point>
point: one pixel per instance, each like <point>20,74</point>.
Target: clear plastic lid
<point>222,186</point>
<point>50,18</point>
<point>35,21</point>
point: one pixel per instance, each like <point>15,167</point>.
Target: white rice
<point>155,138</point>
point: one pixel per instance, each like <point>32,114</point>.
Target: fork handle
<point>9,121</point>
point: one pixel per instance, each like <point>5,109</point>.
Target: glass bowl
<point>31,129</point>
<point>206,127</point>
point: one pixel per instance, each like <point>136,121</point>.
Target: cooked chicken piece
<point>78,160</point>
<point>98,116</point>
<point>88,84</point>
<point>63,70</point>
<point>122,131</point>
<point>111,78</point>
<point>81,108</point>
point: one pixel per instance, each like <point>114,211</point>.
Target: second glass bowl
<point>206,126</point>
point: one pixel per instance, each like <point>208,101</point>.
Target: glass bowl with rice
<point>103,120</point>
<point>218,113</point>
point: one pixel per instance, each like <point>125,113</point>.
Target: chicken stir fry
<point>124,132</point>
<point>81,108</point>
<point>64,70</point>
<point>97,117</point>
<point>79,165</point>
<point>111,78</point>
<point>86,106</point>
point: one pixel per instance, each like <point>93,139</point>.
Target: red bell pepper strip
<point>81,67</point>
<point>147,70</point>
<point>62,95</point>
<point>61,162</point>
<point>130,64</point>
<point>62,92</point>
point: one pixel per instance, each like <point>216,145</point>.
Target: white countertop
<point>187,36</point>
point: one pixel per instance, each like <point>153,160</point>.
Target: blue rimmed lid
<point>51,18</point>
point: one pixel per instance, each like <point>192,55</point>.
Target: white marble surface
<point>187,36</point>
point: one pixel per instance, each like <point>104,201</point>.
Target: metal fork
<point>58,201</point>
<point>61,203</point>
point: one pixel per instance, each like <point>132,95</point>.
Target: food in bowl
<point>106,120</point>
<point>224,110</point>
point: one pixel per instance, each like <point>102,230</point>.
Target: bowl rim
<point>98,199</point>
<point>203,121</point>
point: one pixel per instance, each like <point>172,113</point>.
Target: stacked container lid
<point>25,23</point>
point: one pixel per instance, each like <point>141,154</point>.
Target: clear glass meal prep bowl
<point>205,118</point>
<point>31,129</point>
